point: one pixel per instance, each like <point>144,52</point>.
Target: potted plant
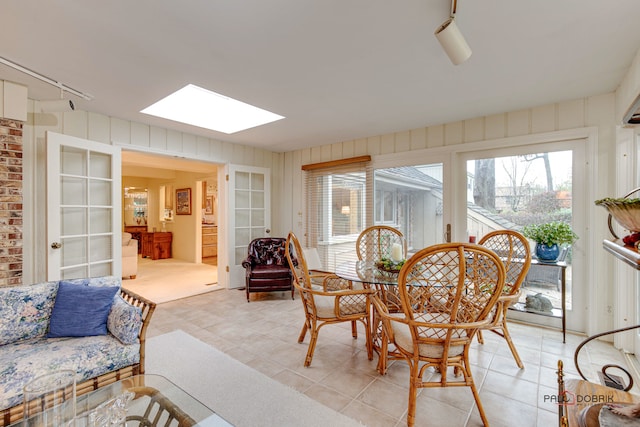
<point>548,237</point>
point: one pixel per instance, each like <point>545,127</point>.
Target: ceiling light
<point>200,107</point>
<point>452,40</point>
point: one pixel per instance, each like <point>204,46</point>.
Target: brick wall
<point>10,202</point>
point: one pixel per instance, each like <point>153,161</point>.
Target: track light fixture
<point>63,87</point>
<point>452,40</point>
<point>57,106</point>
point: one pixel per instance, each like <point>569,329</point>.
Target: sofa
<point>129,256</point>
<point>92,326</point>
<point>266,267</point>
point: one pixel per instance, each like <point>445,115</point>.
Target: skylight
<point>200,107</point>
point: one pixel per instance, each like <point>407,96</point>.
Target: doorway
<point>168,180</point>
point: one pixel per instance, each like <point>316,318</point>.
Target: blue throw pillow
<point>80,310</point>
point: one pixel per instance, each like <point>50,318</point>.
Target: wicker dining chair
<point>334,302</point>
<point>447,292</point>
<point>375,242</point>
<point>514,251</point>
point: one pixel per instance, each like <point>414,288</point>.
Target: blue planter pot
<point>547,253</point>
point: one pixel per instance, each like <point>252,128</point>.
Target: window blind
<point>339,207</point>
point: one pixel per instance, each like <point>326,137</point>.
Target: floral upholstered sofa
<point>92,326</point>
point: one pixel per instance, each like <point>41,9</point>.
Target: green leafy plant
<point>388,265</point>
<point>550,233</point>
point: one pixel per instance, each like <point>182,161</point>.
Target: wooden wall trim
<point>334,163</point>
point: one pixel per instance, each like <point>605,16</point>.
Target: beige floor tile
<point>369,416</point>
<point>328,397</point>
<point>264,335</point>
<point>385,397</point>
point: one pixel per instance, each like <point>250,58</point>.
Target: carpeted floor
<point>169,279</point>
<point>241,395</point>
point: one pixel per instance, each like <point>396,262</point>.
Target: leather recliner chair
<point>267,269</point>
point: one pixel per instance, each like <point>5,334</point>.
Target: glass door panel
<point>410,199</point>
<point>512,191</point>
<point>249,219</point>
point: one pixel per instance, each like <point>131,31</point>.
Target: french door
<point>83,208</point>
<point>512,187</point>
<point>248,213</point>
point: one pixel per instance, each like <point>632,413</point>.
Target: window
<point>337,212</point>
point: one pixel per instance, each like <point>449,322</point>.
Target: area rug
<point>165,280</point>
<point>241,395</point>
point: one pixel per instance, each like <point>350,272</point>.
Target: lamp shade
<point>453,42</point>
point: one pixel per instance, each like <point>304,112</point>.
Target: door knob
<point>56,245</point>
<point>268,230</point>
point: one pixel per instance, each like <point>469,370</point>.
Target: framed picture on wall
<point>183,201</point>
<point>208,208</point>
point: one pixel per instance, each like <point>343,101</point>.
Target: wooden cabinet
<point>209,241</point>
<point>136,233</point>
<point>157,245</point>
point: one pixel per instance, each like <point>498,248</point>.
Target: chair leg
<point>468,377</point>
<point>303,332</point>
<point>476,396</point>
<point>382,357</point>
<point>312,347</point>
<point>413,391</point>
<point>354,329</point>
<point>512,346</point>
<point>369,339</point>
<point>480,339</point>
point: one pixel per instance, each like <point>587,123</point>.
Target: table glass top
<point>147,394</point>
<point>366,272</point>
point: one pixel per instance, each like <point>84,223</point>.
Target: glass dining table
<point>386,285</point>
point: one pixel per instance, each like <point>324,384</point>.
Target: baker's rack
<point>630,256</point>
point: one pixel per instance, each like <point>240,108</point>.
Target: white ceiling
<point>336,69</point>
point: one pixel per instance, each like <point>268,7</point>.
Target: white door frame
<point>454,158</point>
<point>577,318</point>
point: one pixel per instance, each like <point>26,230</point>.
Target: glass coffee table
<point>149,400</point>
<point>156,401</point>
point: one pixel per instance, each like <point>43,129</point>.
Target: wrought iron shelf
<point>630,256</point>
<point>627,254</point>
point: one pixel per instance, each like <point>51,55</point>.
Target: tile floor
<point>263,334</point>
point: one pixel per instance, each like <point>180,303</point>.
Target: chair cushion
<point>90,357</point>
<point>81,311</point>
<point>270,272</point>
<point>325,306</point>
<point>404,340</point>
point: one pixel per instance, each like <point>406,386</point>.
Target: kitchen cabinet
<point>209,241</point>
